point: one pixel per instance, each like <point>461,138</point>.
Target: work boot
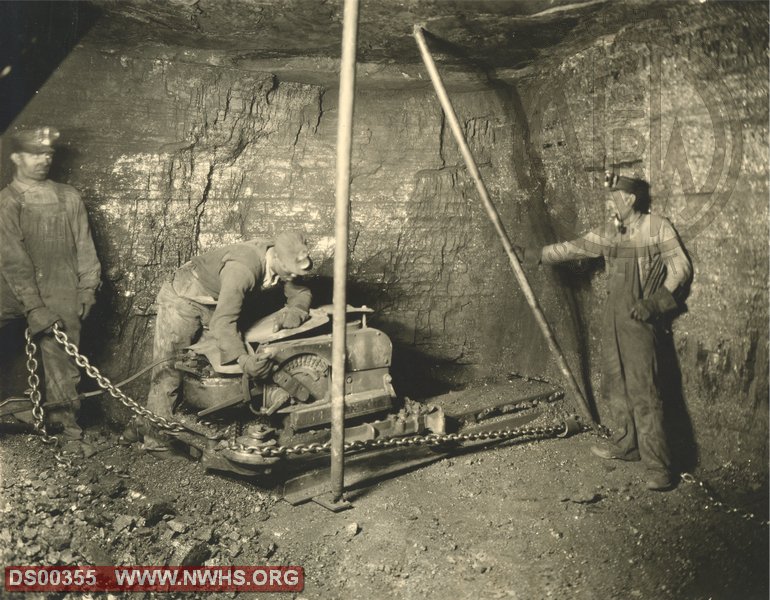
<point>132,432</point>
<point>614,453</point>
<point>63,419</point>
<point>659,481</point>
<point>152,440</point>
<point>79,448</point>
<point>155,443</point>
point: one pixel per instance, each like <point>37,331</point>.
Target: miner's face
<point>289,270</point>
<point>281,270</point>
<point>620,205</point>
<point>33,166</point>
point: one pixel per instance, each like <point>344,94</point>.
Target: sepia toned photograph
<point>389,299</point>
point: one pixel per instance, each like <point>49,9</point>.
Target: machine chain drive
<point>434,439</point>
<point>275,451</point>
<point>270,451</point>
<point>597,429</point>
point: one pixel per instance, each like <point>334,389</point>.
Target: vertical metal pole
<point>494,216</point>
<point>342,206</point>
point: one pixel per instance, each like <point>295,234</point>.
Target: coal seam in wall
<point>200,208</point>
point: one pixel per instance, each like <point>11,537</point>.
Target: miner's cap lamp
<point>41,140</point>
<point>291,248</point>
<point>631,185</point>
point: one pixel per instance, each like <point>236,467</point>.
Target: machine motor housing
<point>296,396</point>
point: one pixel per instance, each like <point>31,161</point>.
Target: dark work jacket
<point>231,273</point>
<point>47,255</point>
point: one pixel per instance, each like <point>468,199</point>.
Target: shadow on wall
<point>677,423</point>
<point>65,159</point>
<point>35,37</point>
<point>676,417</point>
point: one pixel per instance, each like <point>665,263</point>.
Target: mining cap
<point>614,182</point>
<point>35,141</point>
<point>639,188</point>
<point>292,251</point>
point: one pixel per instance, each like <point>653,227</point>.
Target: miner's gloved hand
<point>289,318</point>
<point>41,320</point>
<point>658,304</point>
<point>86,300</point>
<point>528,256</point>
<point>255,366</point>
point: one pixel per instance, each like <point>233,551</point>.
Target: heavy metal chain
<point>314,448</point>
<point>718,504</point>
<point>533,433</point>
<point>33,380</point>
<point>603,431</point>
<point>433,439</point>
<point>104,383</point>
<point>597,429</point>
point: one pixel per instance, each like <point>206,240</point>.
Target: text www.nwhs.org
<point>156,579</point>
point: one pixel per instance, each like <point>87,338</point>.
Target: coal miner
<point>647,270</point>
<point>49,271</point>
<point>225,277</point>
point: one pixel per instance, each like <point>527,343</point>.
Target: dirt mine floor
<point>520,520</point>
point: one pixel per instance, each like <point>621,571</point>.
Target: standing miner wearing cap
<point>226,277</point>
<point>49,271</point>
<point>647,269</point>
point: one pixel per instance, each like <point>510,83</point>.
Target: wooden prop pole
<point>494,216</point>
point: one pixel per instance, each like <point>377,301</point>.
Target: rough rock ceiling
<point>300,39</point>
<point>501,33</point>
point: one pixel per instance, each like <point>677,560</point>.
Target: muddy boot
<point>155,441</point>
<point>138,430</point>
<point>79,448</point>
<point>659,481</point>
<point>62,418</point>
<point>132,432</point>
<point>157,445</point>
<point>613,452</point>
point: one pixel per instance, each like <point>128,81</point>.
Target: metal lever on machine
<point>292,385</point>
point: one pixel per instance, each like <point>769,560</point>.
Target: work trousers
<point>61,374</point>
<point>178,324</point>
<point>629,371</point>
<point>50,246</point>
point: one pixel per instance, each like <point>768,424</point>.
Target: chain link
<point>602,431</point>
<point>718,504</point>
<point>104,383</point>
<point>433,439</point>
<point>38,413</point>
<point>597,429</point>
<point>313,448</point>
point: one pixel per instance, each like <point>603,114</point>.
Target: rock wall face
<point>680,100</point>
<point>174,159</point>
<point>176,154</point>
